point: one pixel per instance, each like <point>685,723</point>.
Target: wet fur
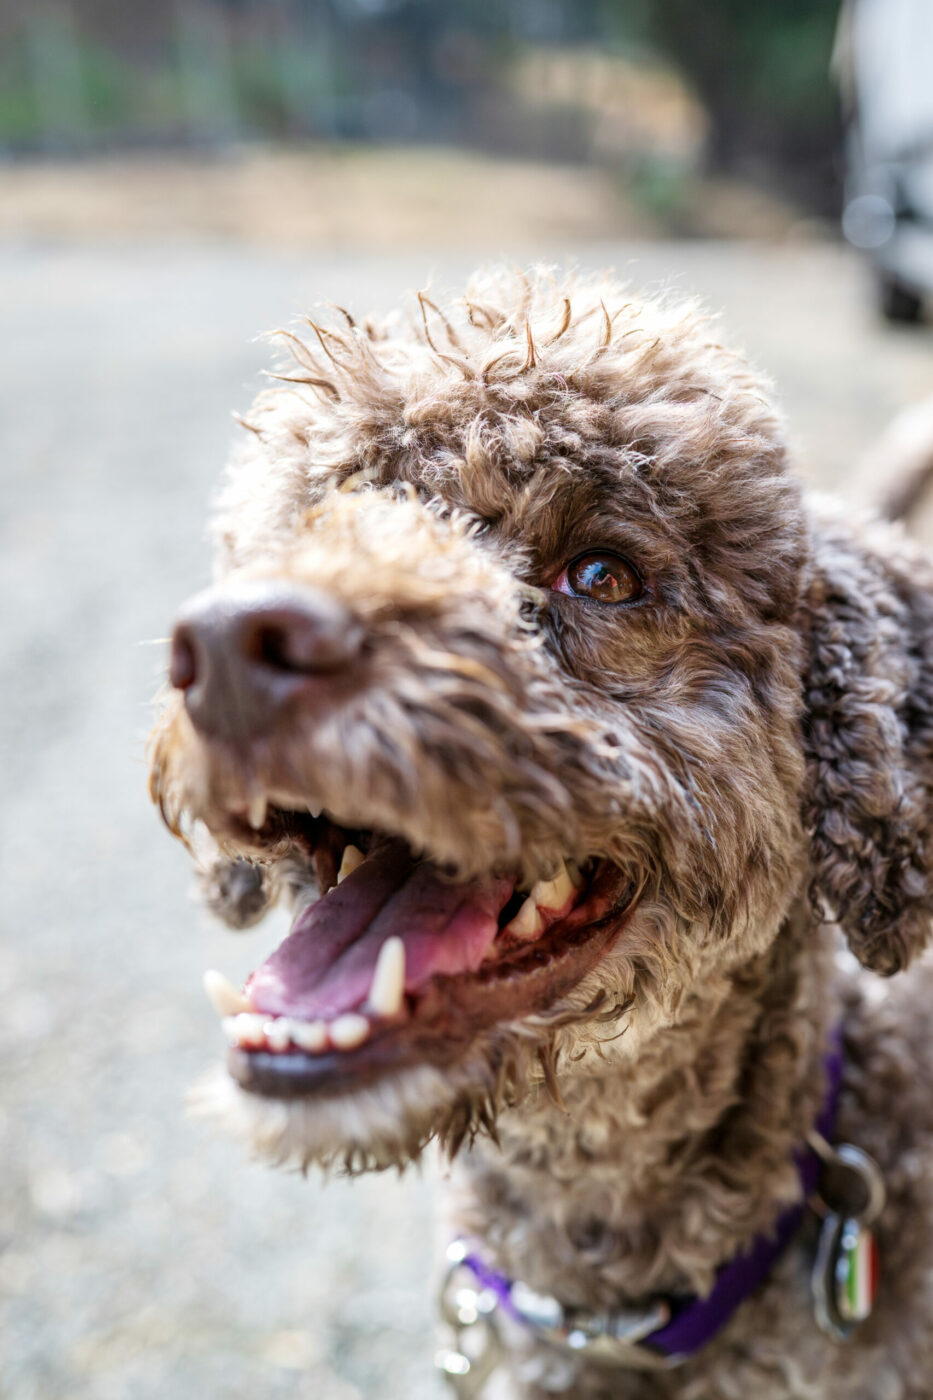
<point>752,746</point>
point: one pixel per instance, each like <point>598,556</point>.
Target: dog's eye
<point>608,578</point>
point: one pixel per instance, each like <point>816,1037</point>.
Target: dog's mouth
<point>397,964</point>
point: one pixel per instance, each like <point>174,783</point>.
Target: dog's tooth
<point>249,1027</point>
<point>528,922</point>
<point>310,1036</point>
<point>230,1029</point>
<point>278,1032</point>
<point>575,873</point>
<point>256,811</point>
<point>352,857</point>
<point>388,984</point>
<point>554,894</point>
<point>223,995</point>
<point>348,1031</point>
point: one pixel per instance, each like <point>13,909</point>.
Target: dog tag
<point>856,1272</point>
<point>470,1313</point>
<point>845,1274</point>
<point>467,1368</point>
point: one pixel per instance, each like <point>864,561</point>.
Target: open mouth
<point>397,963</point>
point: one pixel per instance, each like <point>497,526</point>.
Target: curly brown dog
<point>568,723</point>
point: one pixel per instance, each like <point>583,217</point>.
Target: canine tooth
<point>229,1026</point>
<point>388,984</point>
<point>256,811</point>
<point>223,995</point>
<point>352,857</point>
<point>250,1028</point>
<point>278,1032</point>
<point>554,894</point>
<point>528,922</point>
<point>348,1031</point>
<point>314,810</point>
<point>310,1036</point>
<point>575,873</point>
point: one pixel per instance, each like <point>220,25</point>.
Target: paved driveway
<point>142,1257</point>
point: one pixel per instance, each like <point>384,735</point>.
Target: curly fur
<point>751,745</point>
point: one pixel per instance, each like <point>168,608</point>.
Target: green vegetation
<point>762,71</point>
<point>410,70</point>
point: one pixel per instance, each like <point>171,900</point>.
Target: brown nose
<point>242,652</point>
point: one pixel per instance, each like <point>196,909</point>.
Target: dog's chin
<point>384,1124</point>
<point>406,1005</point>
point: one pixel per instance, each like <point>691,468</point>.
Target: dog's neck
<point>665,1166</point>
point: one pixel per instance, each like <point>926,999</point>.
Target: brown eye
<point>605,577</point>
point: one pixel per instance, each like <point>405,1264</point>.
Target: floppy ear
<point>867,621</point>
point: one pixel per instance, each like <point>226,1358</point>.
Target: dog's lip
<point>451,1013</point>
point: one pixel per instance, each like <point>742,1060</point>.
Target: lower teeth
<point>250,1030</point>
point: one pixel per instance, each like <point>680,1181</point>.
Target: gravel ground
<point>142,1257</point>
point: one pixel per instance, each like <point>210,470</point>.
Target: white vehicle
<point>884,63</point>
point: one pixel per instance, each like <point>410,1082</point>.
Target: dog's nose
<point>240,653</point>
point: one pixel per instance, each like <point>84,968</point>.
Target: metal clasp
<point>613,1339</point>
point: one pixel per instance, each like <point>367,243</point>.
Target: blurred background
<point>346,114</point>
<point>176,179</point>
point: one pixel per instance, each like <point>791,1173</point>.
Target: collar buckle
<point>478,1305</point>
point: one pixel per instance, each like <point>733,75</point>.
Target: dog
<point>579,736</point>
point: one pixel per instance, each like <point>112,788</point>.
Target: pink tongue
<point>325,966</point>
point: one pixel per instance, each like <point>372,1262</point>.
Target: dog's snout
<point>240,653</point>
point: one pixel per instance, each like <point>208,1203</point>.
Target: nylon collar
<point>670,1330</point>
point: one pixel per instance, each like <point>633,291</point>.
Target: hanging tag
<point>856,1272</point>
<point>845,1276</point>
<point>469,1312</point>
<point>845,1273</point>
<point>468,1365</point>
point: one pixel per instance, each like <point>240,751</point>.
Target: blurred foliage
<point>762,71</point>
<point>94,73</point>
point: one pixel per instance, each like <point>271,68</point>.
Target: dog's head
<point>529,680</point>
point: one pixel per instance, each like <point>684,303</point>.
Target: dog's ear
<point>867,623</point>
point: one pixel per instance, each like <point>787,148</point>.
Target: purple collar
<point>675,1328</point>
<point>695,1321</point>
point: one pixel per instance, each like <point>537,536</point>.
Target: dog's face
<point>500,683</point>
